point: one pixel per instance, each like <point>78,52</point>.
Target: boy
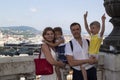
<point>59,48</point>
<point>95,38</point>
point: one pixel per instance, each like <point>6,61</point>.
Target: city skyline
<point>42,13</point>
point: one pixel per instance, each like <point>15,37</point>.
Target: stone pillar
<point>112,8</point>
<point>111,44</point>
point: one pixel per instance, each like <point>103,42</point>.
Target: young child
<point>95,38</point>
<point>59,48</point>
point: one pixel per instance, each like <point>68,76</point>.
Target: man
<point>78,56</point>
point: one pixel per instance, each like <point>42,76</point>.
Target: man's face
<point>76,31</point>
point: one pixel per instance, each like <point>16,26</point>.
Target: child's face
<point>94,29</point>
<point>58,34</point>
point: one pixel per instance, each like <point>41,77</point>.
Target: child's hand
<point>85,15</point>
<point>92,56</point>
<point>61,40</point>
<point>92,60</point>
<point>62,65</point>
<point>103,17</point>
<point>44,41</point>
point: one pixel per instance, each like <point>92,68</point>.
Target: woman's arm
<point>46,50</point>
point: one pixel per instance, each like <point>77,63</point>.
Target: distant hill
<point>19,30</point>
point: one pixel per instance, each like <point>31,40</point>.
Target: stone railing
<point>109,65</point>
<point>13,68</point>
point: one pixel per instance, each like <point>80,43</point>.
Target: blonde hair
<point>95,23</point>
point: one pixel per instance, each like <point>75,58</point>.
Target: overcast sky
<point>42,13</point>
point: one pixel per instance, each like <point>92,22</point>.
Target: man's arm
<point>103,25</point>
<point>73,62</point>
<point>86,23</point>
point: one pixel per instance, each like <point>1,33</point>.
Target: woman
<point>49,54</point>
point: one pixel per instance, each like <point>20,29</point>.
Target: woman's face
<point>49,36</point>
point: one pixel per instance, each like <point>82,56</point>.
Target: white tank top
<point>52,53</point>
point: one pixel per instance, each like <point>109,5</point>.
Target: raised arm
<point>86,23</point>
<point>103,25</point>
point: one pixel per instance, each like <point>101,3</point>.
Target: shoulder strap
<point>71,45</point>
<point>40,51</point>
<point>88,42</point>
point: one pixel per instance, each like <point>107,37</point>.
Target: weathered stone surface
<point>17,65</point>
<point>111,67</point>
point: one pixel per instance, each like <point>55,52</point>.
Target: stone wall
<point>12,68</point>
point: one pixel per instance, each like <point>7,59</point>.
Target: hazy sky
<point>42,13</point>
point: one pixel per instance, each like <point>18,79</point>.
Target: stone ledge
<point>17,65</point>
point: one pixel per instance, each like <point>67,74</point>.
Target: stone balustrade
<point>110,65</point>
<point>12,68</point>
